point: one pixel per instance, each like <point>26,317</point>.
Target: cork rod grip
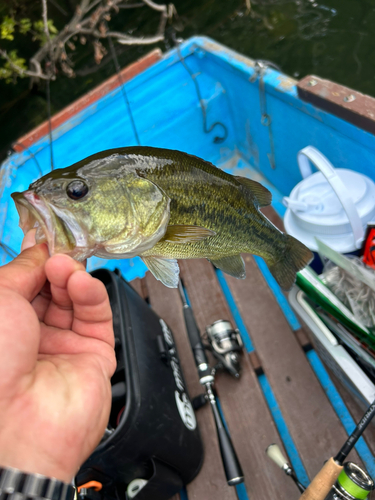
<point>322,483</point>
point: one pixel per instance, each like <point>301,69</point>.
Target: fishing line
<point>49,121</point>
<point>122,86</point>
<point>31,155</point>
<point>217,139</point>
<point>8,250</point>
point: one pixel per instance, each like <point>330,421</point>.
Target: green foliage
<point>15,65</point>
<point>7,28</point>
<point>8,25</point>
<point>25,26</point>
<point>39,29</point>
<point>9,72</point>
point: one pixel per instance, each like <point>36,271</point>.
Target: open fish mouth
<point>34,213</point>
<point>53,226</point>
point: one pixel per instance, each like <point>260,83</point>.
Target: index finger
<point>25,274</point>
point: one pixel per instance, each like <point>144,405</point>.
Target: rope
<point>122,86</point>
<point>217,139</point>
<point>31,155</point>
<point>49,122</point>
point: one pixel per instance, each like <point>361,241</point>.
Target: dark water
<point>330,38</point>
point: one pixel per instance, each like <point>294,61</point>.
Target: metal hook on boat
<point>217,139</point>
<point>260,69</point>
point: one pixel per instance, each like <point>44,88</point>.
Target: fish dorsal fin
<point>181,233</point>
<point>164,270</point>
<point>232,265</point>
<point>262,195</point>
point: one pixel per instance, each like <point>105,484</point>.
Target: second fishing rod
<point>337,479</point>
<point>231,464</point>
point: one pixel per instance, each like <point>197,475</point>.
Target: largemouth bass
<point>161,205</point>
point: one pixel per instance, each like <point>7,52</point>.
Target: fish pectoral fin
<point>165,270</point>
<point>262,195</point>
<point>232,265</point>
<point>182,233</point>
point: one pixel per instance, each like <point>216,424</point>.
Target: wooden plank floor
<point>312,422</point>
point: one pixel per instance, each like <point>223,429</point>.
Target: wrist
<point>20,485</point>
<point>35,465</point>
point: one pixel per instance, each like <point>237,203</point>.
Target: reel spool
<point>226,345</point>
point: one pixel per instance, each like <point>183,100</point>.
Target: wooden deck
<point>277,358</point>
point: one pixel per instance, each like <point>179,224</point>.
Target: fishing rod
<point>323,482</point>
<point>275,454</point>
<point>231,464</point>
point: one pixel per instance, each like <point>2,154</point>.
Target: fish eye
<point>77,190</point>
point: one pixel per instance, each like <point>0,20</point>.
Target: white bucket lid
<point>334,205</point>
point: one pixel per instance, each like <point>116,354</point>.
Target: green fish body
<point>162,205</point>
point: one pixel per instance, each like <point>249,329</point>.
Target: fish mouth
<point>34,213</point>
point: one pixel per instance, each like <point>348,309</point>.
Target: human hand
<point>56,361</point>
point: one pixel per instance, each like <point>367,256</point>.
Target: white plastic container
<point>333,205</point>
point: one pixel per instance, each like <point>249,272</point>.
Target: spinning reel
<point>226,344</point>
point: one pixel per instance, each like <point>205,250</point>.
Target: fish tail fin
<point>294,258</point>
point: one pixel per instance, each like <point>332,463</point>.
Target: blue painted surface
<point>287,440</point>
<point>278,293</point>
<point>183,494</point>
<point>341,410</point>
<point>266,388</point>
<point>241,492</point>
<point>235,312</point>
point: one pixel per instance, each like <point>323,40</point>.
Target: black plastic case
<point>155,434</point>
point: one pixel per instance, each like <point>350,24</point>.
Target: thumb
<point>25,274</point>
<point>29,239</point>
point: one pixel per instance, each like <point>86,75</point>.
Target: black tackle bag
<point>152,445</point>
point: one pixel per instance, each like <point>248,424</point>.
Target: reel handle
<point>275,454</point>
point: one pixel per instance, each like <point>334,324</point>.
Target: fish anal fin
<point>181,233</point>
<point>261,193</point>
<point>165,270</point>
<point>232,265</point>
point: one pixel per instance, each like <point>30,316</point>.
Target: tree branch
<point>22,72</point>
<point>121,38</point>
<point>128,40</point>
<point>45,21</point>
<point>49,41</point>
<point>89,19</point>
<point>155,6</point>
<point>130,5</point>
